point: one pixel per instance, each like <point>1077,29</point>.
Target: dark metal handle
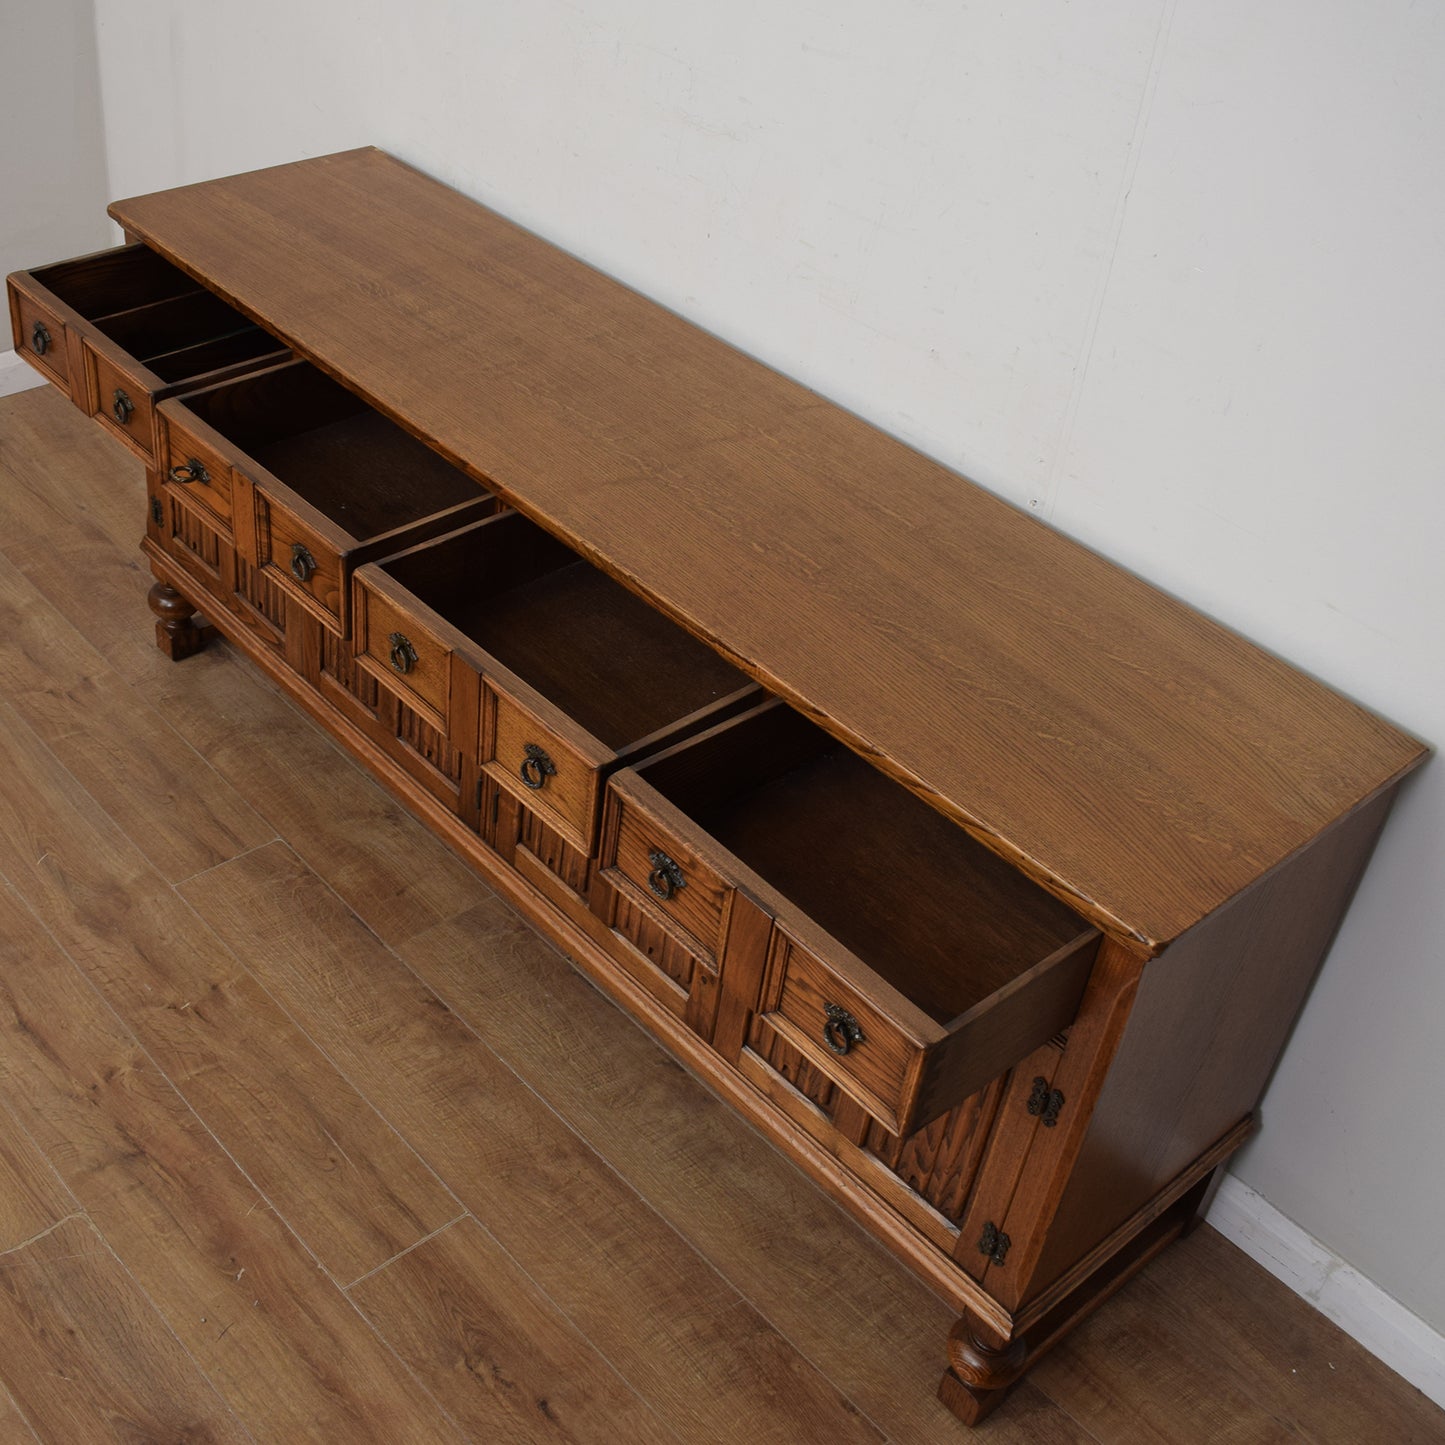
<point>193,471</point>
<point>666,877</point>
<point>536,767</point>
<point>39,339</point>
<point>303,564</point>
<point>122,408</point>
<point>403,654</point>
<point>841,1030</point>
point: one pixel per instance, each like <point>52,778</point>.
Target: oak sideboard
<point>981,876</point>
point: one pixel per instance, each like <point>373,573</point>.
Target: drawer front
<point>403,655</point>
<point>197,471</point>
<point>40,335</point>
<point>902,1066</point>
<point>300,561</point>
<point>542,769</point>
<point>843,1033</point>
<point>123,403</point>
<point>670,878</point>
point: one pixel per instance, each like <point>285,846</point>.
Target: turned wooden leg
<point>176,632</point>
<point>981,1370</point>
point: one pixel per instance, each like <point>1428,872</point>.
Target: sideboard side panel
<point>1211,1018</point>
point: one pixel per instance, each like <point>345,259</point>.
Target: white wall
<point>1166,271</point>
<point>52,160</point>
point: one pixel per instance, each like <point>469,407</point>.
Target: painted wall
<point>52,161</point>
<point>1165,271</point>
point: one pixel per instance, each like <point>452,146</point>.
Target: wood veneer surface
<point>1140,760</point>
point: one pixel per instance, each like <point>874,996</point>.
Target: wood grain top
<point>1142,762</point>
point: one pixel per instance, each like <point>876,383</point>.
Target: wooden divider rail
<point>984,878</point>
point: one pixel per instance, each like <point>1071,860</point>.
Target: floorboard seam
<point>402,1253</point>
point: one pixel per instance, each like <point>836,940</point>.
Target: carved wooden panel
<point>264,596</point>
<point>784,1059</point>
<point>570,864</point>
<point>337,663</point>
<point>633,923</point>
<point>424,739</point>
<point>940,1162</point>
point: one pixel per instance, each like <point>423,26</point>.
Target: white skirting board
<point>17,375</point>
<point>1397,1338</point>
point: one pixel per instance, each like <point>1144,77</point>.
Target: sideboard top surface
<point>1142,762</point>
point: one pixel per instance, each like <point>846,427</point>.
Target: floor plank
<point>709,1364</point>
<point>32,1198</point>
<point>102,730</point>
<point>508,1366</point>
<point>335,1170</point>
<point>86,1356</point>
<point>287,1350</point>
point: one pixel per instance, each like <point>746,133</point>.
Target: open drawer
<point>577,674</point>
<point>907,962</point>
<point>118,330</point>
<point>308,481</point>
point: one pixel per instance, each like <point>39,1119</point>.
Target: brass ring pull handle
<point>536,767</point>
<point>122,408</point>
<point>666,877</point>
<point>303,564</point>
<point>403,654</point>
<point>39,339</point>
<point>841,1030</point>
<point>193,471</point>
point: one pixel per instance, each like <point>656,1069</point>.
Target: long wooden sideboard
<point>984,878</point>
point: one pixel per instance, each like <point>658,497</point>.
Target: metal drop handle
<point>193,471</point>
<point>303,564</point>
<point>122,408</point>
<point>402,654</point>
<point>840,1029</point>
<point>39,339</point>
<point>536,767</point>
<point>666,877</point>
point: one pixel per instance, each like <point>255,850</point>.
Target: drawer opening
<point>932,912</point>
<point>604,657</point>
<point>108,282</point>
<point>352,464</point>
<point>187,336</point>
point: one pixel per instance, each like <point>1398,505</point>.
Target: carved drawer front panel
<point>193,468</point>
<point>399,647</point>
<point>657,866</point>
<point>120,329</point>
<point>39,330</point>
<point>551,766</point>
<point>302,557</point>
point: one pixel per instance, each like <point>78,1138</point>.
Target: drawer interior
<point>349,462</point>
<point>601,655</point>
<point>156,313</point>
<point>934,913</point>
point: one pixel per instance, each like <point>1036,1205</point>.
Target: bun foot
<point>177,634</point>
<point>980,1372</point>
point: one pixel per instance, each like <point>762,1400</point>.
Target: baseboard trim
<point>1397,1338</point>
<point>17,375</point>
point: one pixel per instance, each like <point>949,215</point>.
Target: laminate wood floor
<point>306,1136</point>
